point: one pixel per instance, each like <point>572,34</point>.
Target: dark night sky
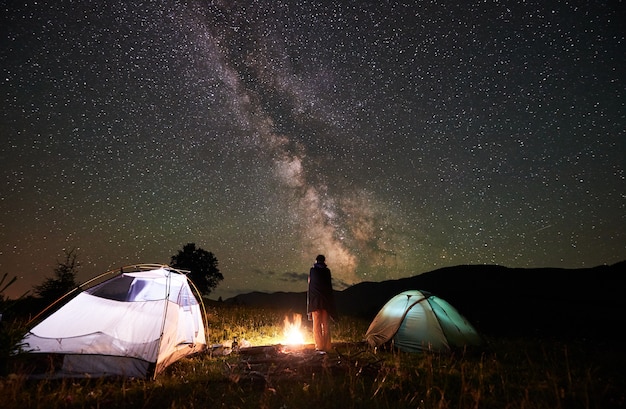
<point>394,137</point>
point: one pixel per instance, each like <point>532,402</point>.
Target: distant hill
<point>515,301</point>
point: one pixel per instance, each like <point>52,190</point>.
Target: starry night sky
<point>393,137</point>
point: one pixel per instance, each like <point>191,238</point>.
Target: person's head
<point>320,258</point>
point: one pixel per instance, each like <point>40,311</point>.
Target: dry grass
<point>507,373</point>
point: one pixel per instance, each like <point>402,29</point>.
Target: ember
<point>291,331</point>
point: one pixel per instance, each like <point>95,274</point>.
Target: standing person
<point>321,302</point>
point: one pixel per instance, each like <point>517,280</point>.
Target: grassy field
<point>505,373</point>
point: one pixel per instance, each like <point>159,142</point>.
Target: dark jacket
<point>320,295</point>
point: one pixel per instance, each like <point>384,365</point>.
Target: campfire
<point>292,332</point>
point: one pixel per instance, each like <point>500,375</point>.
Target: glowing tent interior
<point>134,324</point>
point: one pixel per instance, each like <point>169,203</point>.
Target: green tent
<point>417,320</point>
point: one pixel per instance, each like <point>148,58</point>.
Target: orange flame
<point>291,331</point>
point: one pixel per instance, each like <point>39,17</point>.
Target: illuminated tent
<point>416,321</point>
<point>134,324</point>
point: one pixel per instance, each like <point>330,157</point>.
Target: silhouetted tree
<point>7,341</point>
<point>63,281</point>
<point>11,329</point>
<point>3,287</point>
<point>202,266</point>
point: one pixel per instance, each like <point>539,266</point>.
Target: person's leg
<point>317,330</point>
<point>327,346</point>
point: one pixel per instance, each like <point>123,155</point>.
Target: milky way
<point>393,137</point>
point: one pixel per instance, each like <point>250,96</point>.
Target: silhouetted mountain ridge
<point>494,298</point>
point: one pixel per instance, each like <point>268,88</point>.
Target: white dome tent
<point>134,324</point>
<point>419,321</point>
